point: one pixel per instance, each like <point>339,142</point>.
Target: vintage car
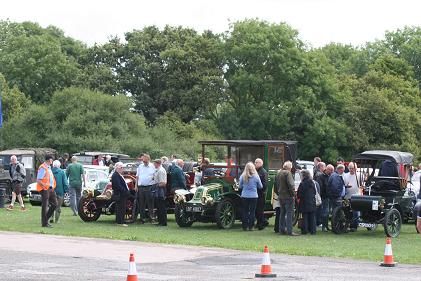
<point>218,198</point>
<point>93,175</point>
<point>384,175</point>
<point>31,158</point>
<point>88,157</point>
<point>98,200</point>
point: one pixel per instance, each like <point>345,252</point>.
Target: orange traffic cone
<point>388,255</point>
<point>266,269</point>
<point>132,273</point>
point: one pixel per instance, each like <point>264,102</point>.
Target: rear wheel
<point>88,210</point>
<point>182,218</point>
<point>225,214</point>
<point>340,223</point>
<point>392,223</point>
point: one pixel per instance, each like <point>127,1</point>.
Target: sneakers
<point>9,208</point>
<point>293,234</point>
<point>122,224</point>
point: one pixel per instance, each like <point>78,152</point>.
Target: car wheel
<point>182,218</point>
<point>340,223</point>
<point>88,210</point>
<point>392,223</point>
<point>225,214</point>
<point>66,199</point>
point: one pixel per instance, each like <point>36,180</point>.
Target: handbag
<point>317,197</point>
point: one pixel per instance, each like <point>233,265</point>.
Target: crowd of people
<point>316,195</point>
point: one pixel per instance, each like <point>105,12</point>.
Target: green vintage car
<point>218,198</point>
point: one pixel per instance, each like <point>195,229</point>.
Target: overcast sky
<point>318,21</point>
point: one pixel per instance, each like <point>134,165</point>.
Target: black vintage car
<point>384,199</point>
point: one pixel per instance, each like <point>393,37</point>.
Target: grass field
<point>358,245</point>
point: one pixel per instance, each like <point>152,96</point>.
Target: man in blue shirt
<point>145,184</point>
<point>178,178</point>
<point>336,187</point>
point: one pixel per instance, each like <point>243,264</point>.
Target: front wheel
<point>340,223</point>
<point>225,214</point>
<point>392,223</point>
<point>88,210</point>
<point>182,218</point>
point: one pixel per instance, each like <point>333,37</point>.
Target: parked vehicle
<point>218,198</point>
<point>31,158</point>
<point>97,200</point>
<point>93,175</point>
<point>383,201</point>
<point>302,165</point>
<point>88,157</point>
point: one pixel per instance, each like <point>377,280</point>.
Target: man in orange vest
<point>46,184</point>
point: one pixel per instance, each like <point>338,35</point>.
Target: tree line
<point>161,90</point>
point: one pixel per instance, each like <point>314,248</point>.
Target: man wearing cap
<point>76,175</point>
<point>160,180</point>
<point>46,185</point>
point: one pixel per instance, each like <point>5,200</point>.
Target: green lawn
<point>359,245</point>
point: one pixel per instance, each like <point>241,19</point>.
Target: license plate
<point>367,225</point>
<point>36,197</point>
<point>196,209</point>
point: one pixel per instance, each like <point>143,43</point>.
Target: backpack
<point>20,169</point>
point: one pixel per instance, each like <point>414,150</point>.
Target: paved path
<point>47,257</point>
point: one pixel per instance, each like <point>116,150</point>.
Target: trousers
<point>285,216</point>
<point>49,204</point>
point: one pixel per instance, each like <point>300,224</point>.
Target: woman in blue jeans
<point>249,183</point>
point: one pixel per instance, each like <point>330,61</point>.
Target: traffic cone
<point>388,255</point>
<point>132,273</point>
<point>266,269</point>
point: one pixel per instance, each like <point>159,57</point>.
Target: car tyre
<point>340,223</point>
<point>88,210</point>
<point>225,214</point>
<point>181,217</point>
<point>392,223</point>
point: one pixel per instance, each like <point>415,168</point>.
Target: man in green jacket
<point>285,189</point>
<point>76,175</point>
<point>61,188</point>
<point>178,179</point>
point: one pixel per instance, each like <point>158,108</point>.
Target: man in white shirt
<point>353,182</point>
<point>145,183</point>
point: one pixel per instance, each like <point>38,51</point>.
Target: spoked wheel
<point>392,223</point>
<point>340,223</point>
<point>182,218</point>
<point>130,215</point>
<point>88,210</point>
<point>225,214</point>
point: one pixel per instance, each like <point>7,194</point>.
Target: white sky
<point>318,21</point>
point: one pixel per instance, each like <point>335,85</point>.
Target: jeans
<point>335,202</point>
<point>324,213</point>
<point>49,204</point>
<point>249,211</point>
<point>74,193</point>
<point>146,199</point>
<point>287,209</point>
<point>309,223</point>
<point>57,212</point>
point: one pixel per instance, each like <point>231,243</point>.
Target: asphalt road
<point>47,257</point>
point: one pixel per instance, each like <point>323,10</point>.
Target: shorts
<point>16,186</point>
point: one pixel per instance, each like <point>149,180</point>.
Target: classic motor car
<point>384,201</point>
<point>88,157</point>
<point>98,200</point>
<point>31,158</point>
<point>93,175</point>
<point>218,198</point>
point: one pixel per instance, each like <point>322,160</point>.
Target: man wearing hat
<point>160,180</point>
<point>46,184</point>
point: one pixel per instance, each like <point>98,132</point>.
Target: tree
<point>14,102</point>
<point>175,69</point>
<point>33,59</point>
